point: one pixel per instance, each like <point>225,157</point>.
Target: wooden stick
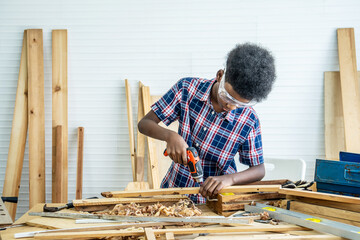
<point>131,129</point>
<point>153,170</point>
<point>79,170</point>
<point>35,60</point>
<point>322,196</point>
<point>57,176</point>
<point>60,110</point>
<point>176,231</point>
<point>169,236</point>
<point>18,135</point>
<point>349,88</point>
<point>140,143</point>
<point>191,190</point>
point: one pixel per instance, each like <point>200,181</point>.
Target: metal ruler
<point>304,220</point>
<point>205,219</point>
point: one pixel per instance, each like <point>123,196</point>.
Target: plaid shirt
<point>216,136</point>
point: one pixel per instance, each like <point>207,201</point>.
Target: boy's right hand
<point>176,148</point>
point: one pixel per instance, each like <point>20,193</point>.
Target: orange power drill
<point>194,164</point>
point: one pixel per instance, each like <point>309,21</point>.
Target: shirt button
<point>205,128</point>
<point>212,112</point>
<point>197,144</point>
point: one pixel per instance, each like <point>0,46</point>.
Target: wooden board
<point>131,128</point>
<point>57,167</point>
<point>153,171</point>
<point>140,140</point>
<point>60,112</point>
<point>191,190</point>
<point>350,91</point>
<point>80,157</point>
<point>36,113</point>
<point>321,196</point>
<point>19,128</point>
<point>327,203</point>
<point>327,212</point>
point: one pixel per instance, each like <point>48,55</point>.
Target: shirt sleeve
<point>168,107</point>
<point>251,151</point>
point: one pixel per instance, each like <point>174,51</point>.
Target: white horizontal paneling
<point>158,42</point>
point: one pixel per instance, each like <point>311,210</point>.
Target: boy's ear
<point>219,74</point>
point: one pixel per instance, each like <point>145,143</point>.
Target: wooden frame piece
<point>191,190</point>
<point>19,129</point>
<point>35,60</point>
<point>60,112</point>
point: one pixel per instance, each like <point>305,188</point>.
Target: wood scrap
<point>19,128</point>
<point>191,190</point>
<point>36,113</point>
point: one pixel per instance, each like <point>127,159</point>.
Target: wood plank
<point>349,88</point>
<point>326,203</point>
<point>57,168</point>
<point>191,190</point>
<point>107,201</point>
<point>80,159</point>
<point>153,169</point>
<point>60,110</point>
<point>321,196</point>
<point>324,211</point>
<point>131,128</point>
<point>149,234</point>
<point>175,231</point>
<point>285,236</point>
<point>35,60</point>
<point>249,197</point>
<point>140,140</point>
<point>18,135</point>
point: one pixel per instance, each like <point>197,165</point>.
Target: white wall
<point>158,42</point>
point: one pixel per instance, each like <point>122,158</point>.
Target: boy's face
<point>229,99</point>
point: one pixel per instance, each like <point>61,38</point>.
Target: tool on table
<point>194,164</point>
<point>55,209</point>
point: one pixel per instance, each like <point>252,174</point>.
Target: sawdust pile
<point>183,208</point>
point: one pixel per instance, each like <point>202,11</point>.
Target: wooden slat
<point>140,142</point>
<point>149,234</point>
<point>80,157</point>
<point>57,168</point>
<point>169,236</point>
<point>131,128</point>
<point>349,88</point>
<point>327,203</point>
<point>191,190</point>
<point>60,110</point>
<point>153,170</point>
<point>36,115</point>
<point>321,196</point>
<point>176,231</point>
<point>249,197</point>
<point>18,135</point>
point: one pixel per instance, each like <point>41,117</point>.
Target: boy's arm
<point>176,145</point>
<point>214,184</point>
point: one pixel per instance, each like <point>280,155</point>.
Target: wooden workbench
<point>55,223</point>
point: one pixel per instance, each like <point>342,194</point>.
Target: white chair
<point>282,168</point>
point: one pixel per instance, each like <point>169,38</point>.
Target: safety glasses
<point>226,97</point>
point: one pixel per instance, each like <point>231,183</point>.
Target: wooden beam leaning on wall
<point>153,171</point>
<point>18,135</point>
<point>60,112</point>
<point>80,157</point>
<point>131,129</point>
<point>140,141</point>
<point>350,91</point>
<point>35,60</point>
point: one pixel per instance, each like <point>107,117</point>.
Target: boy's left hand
<point>214,184</point>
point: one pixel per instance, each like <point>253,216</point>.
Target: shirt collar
<point>203,94</point>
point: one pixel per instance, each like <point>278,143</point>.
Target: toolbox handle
<point>349,175</point>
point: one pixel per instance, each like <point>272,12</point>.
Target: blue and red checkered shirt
<point>216,136</point>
